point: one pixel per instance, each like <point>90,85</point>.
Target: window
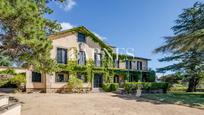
<point>81,38</point>
<point>139,65</point>
<point>82,58</point>
<point>128,64</point>
<point>62,77</point>
<point>36,77</point>
<point>116,79</point>
<point>82,76</point>
<point>117,63</point>
<point>133,78</point>
<point>97,58</point>
<point>62,55</point>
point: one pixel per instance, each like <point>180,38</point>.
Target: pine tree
<point>23,33</point>
<point>187,46</point>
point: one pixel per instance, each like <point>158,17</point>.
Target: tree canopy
<point>24,30</point>
<point>189,31</point>
<point>187,45</point>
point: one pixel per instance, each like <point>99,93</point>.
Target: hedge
<point>131,87</point>
<point>9,71</point>
<point>108,87</point>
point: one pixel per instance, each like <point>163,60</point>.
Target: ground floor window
<point>82,76</point>
<point>133,78</point>
<point>62,77</point>
<point>98,80</point>
<point>36,77</point>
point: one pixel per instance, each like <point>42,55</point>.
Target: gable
<point>83,30</point>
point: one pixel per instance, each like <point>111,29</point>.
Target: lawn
<point>195,99</point>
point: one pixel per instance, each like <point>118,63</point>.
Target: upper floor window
<point>97,59</point>
<point>62,55</point>
<point>139,65</point>
<point>62,77</point>
<point>117,63</point>
<point>36,77</point>
<point>128,64</point>
<point>82,58</point>
<point>81,37</point>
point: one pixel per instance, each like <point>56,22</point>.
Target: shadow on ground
<point>189,101</point>
<point>138,99</point>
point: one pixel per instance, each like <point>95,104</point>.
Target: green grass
<point>195,99</point>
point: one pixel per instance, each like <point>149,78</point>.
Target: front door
<point>98,80</point>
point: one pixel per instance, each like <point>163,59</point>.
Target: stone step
<point>9,106</point>
<point>97,90</point>
<point>11,109</point>
<point>4,100</point>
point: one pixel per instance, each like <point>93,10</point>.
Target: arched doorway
<point>116,79</point>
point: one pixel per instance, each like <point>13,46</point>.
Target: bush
<point>74,84</point>
<point>178,88</point>
<point>16,82</point>
<point>8,71</point>
<point>19,80</point>
<point>108,87</point>
<point>3,82</point>
<point>131,87</point>
<point>114,86</point>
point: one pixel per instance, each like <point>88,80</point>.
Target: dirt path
<point>96,104</point>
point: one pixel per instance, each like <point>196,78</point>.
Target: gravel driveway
<point>96,104</point>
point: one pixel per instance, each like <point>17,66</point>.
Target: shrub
<point>108,87</point>
<point>3,82</point>
<point>131,87</point>
<point>178,88</point>
<point>8,71</point>
<point>16,82</point>
<point>19,80</point>
<point>114,86</point>
<point>74,84</point>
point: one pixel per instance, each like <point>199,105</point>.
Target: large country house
<point>78,51</point>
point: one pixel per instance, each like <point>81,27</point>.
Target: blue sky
<point>138,24</point>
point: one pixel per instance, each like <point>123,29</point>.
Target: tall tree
<point>186,47</point>
<point>189,31</point>
<point>24,31</point>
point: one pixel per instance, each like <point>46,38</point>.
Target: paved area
<point>96,104</point>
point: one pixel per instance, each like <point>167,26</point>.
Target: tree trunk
<point>45,81</point>
<point>192,84</point>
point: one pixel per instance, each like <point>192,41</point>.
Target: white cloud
<point>67,5</point>
<point>99,36</point>
<point>66,25</point>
